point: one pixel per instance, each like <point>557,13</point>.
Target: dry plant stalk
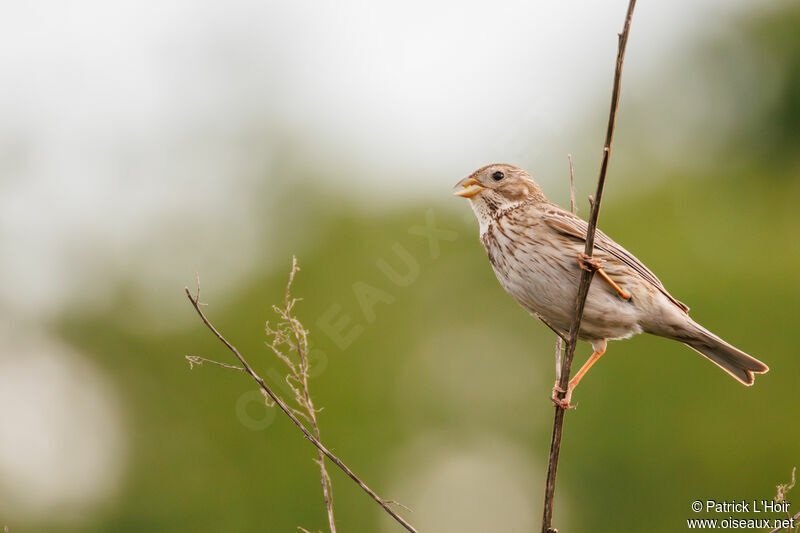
<point>290,337</point>
<point>571,185</point>
<point>560,340</point>
<point>780,497</point>
<point>583,287</point>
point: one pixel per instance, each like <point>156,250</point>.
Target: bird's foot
<point>590,264</point>
<point>562,402</point>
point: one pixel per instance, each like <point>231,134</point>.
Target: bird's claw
<point>562,402</point>
<point>590,264</point>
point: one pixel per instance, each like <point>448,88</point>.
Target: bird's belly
<point>547,284</point>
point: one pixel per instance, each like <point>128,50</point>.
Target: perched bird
<point>536,251</point>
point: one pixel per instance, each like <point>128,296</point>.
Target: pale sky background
<point>134,134</point>
<point>125,123</point>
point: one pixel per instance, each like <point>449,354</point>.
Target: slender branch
<point>553,328</point>
<point>195,360</point>
<point>561,337</point>
<point>195,300</point>
<point>571,185</point>
<point>559,344</point>
<point>583,287</point>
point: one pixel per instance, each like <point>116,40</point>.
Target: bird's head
<point>498,186</point>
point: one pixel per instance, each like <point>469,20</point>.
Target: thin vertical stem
<point>583,288</point>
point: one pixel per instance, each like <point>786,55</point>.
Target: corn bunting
<point>536,251</point>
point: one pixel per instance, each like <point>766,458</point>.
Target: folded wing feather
<point>568,224</point>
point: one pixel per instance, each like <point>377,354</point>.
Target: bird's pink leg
<point>585,368</point>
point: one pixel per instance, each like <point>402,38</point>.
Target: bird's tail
<point>730,359</point>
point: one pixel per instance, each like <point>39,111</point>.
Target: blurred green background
<point>439,399</point>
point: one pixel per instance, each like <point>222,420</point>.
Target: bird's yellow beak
<point>471,187</point>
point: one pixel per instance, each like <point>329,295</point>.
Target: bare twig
<point>571,185</point>
<point>395,502</point>
<point>561,338</point>
<point>549,325</point>
<point>194,360</point>
<point>583,288</point>
<point>289,412</point>
<point>559,344</point>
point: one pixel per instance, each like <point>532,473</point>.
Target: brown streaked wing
<point>568,224</point>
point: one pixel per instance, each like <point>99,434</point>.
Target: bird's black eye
<point>497,176</point>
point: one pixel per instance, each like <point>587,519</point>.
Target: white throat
<point>481,211</point>
<point>486,217</point>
